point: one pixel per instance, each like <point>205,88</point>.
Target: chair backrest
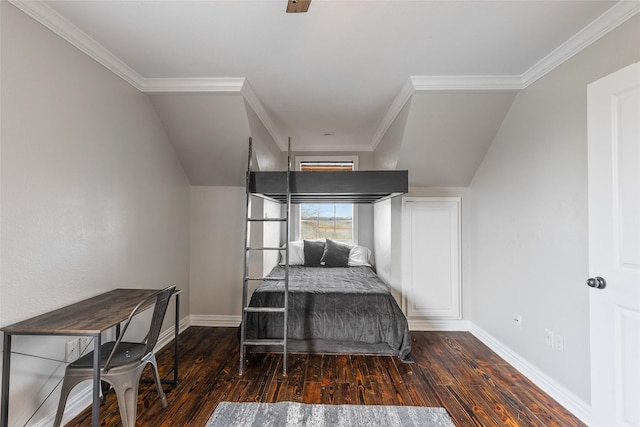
<point>160,308</point>
<point>159,311</point>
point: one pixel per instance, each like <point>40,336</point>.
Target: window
<point>327,220</point>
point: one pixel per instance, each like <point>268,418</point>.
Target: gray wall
<point>216,248</point>
<point>217,240</point>
<point>529,216</point>
<point>93,195</point>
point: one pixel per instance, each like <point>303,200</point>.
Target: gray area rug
<point>292,414</point>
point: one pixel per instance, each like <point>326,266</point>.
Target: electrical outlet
<point>518,320</point>
<point>84,344</point>
<point>558,343</point>
<point>72,351</point>
<point>549,338</point>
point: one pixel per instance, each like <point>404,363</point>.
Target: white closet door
<point>431,257</point>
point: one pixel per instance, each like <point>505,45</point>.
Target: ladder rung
<point>264,309</point>
<point>264,248</point>
<point>267,219</point>
<point>268,279</point>
<point>264,342</point>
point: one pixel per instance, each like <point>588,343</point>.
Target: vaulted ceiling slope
<point>420,84</point>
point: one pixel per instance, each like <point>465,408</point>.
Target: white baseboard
<point>167,336</point>
<point>82,396</point>
<point>571,402</point>
<point>438,325</point>
<point>228,321</point>
<point>216,320</point>
<point>78,401</point>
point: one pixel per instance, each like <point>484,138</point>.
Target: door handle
<point>596,282</point>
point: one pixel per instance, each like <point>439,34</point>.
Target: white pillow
<point>359,255</point>
<point>296,253</point>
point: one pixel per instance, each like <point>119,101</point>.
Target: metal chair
<point>122,363</point>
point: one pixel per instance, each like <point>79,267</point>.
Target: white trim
<point>398,104</point>
<point>354,207</point>
<point>78,401</point>
<point>216,320</point>
<point>435,84</point>
<point>570,401</point>
<point>438,325</point>
<point>61,26</point>
<point>168,335</point>
<point>81,398</point>
<point>609,20</point>
<point>336,148</point>
<point>466,83</point>
<point>300,159</point>
<point>228,85</point>
<point>261,112</point>
<point>564,397</point>
<point>453,206</point>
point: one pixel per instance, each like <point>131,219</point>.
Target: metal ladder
<point>244,342</point>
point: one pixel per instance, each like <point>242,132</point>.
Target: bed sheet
<point>348,309</point>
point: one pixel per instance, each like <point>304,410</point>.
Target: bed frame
<point>330,187</point>
<point>293,187</point>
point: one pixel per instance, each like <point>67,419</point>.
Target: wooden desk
<point>90,317</point>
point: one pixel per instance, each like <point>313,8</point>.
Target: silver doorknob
<point>596,282</point>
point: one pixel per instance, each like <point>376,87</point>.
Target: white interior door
<point>614,247</point>
<point>431,257</point>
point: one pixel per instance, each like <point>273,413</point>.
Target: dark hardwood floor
<point>453,370</point>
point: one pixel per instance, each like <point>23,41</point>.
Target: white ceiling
<point>345,68</point>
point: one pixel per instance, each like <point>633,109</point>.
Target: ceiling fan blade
<point>297,6</point>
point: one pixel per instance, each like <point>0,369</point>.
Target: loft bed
<point>341,306</point>
<point>323,296</point>
<point>330,187</point>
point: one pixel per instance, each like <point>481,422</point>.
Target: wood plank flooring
<point>453,370</point>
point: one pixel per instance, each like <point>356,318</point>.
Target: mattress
<point>332,310</point>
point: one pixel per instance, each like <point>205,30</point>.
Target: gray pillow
<point>313,251</point>
<point>335,254</point>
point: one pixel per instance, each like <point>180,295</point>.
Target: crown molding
<point>51,19</point>
<point>336,148</point>
<point>611,19</point>
<point>398,104</point>
<point>466,84</point>
<point>55,22</point>
<point>443,84</point>
<point>230,85</point>
<point>257,106</point>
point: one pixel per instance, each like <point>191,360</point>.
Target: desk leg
<point>175,341</point>
<point>6,369</point>
<point>95,409</point>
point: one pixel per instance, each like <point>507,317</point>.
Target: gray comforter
<point>333,308</point>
